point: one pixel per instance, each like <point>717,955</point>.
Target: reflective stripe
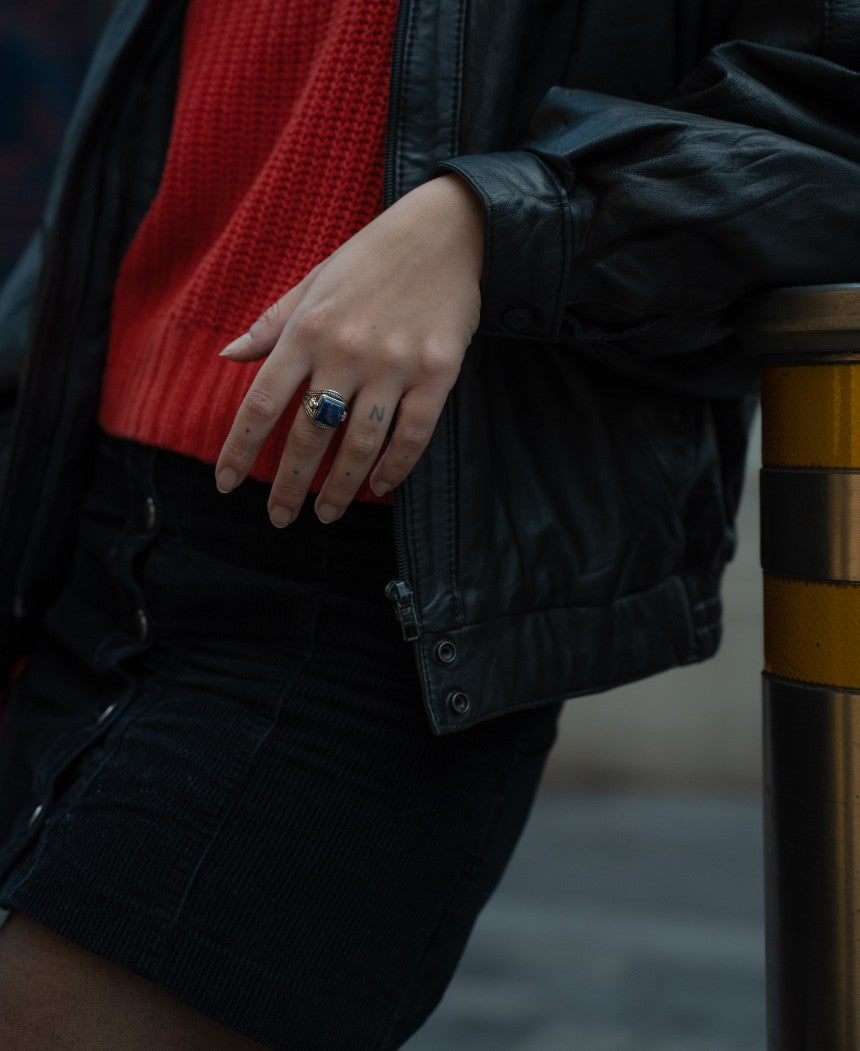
<point>811,416</point>
<point>811,632</point>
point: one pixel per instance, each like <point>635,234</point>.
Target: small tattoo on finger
<point>377,413</point>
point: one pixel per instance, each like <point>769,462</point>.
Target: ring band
<point>325,408</point>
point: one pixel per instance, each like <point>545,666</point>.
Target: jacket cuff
<point>527,242</point>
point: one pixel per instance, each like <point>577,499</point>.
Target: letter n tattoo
<point>377,414</point>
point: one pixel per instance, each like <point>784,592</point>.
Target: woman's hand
<point>385,321</point>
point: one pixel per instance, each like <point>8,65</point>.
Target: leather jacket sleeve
<point>16,305</point>
<point>631,229</point>
<point>17,296</point>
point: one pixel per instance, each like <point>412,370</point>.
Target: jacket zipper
<point>397,52</point>
<point>399,591</point>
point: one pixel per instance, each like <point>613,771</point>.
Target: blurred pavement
<point>626,922</point>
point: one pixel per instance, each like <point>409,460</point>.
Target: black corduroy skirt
<point>216,769</point>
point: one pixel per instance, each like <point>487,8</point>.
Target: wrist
<point>462,207</point>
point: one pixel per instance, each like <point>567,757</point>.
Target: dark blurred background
<point>44,49</point>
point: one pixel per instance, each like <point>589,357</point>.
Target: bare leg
<point>54,994</point>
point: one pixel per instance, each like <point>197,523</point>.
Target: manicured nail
<point>238,345</point>
<point>280,516</point>
<point>226,480</point>
<point>327,513</point>
<point>380,488</point>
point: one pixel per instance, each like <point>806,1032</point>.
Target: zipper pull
<point>400,594</point>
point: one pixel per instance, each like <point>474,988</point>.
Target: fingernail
<point>380,488</point>
<point>327,513</point>
<point>239,344</point>
<point>226,480</point>
<point>280,516</point>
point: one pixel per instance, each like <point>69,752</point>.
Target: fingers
<point>261,408</point>
<point>416,420</point>
<point>363,437</point>
<point>298,343</point>
<point>304,449</point>
<point>372,415</point>
<point>365,434</point>
<point>361,441</point>
<point>369,422</point>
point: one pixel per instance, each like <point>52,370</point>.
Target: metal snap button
<point>142,624</point>
<point>106,714</point>
<point>150,513</point>
<point>459,702</point>
<point>445,651</point>
<point>34,817</point>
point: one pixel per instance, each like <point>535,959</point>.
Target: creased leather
<point>643,167</point>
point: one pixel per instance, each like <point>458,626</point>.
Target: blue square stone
<point>329,412</point>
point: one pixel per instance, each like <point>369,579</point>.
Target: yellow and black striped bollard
<point>810,551</point>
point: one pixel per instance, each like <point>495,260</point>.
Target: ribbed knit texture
<point>275,159</point>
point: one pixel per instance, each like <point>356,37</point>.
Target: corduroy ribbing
<point>275,159</point>
<point>246,805</point>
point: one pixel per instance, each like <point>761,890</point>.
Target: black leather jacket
<point>642,168</point>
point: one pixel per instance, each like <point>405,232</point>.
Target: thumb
<point>261,337</point>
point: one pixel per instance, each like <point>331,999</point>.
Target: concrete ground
<point>626,922</point>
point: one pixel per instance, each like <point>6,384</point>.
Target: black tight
<point>54,994</point>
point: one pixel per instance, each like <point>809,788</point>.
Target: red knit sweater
<point>275,159</point>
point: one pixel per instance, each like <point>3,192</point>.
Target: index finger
<point>263,405</point>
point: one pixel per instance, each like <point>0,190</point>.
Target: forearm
<point>639,225</point>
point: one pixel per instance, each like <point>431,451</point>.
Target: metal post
<point>810,549</point>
